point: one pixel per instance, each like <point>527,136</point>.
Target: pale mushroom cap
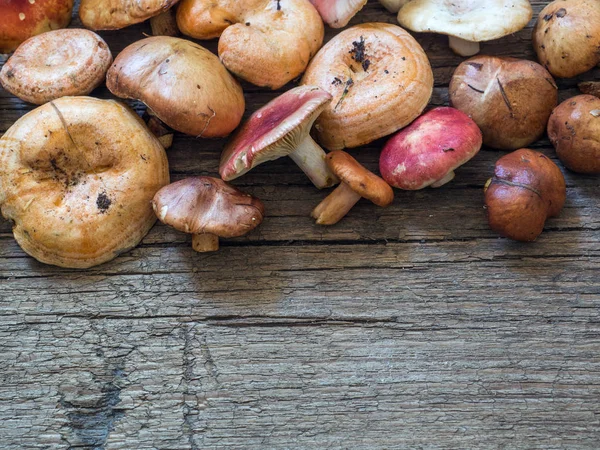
<point>56,64</point>
<point>472,20</point>
<point>337,13</point>
<point>76,178</point>
<point>116,14</point>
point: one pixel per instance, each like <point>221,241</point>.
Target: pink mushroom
<point>427,152</point>
<point>337,13</point>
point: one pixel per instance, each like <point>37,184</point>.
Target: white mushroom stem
<point>205,242</point>
<point>310,157</point>
<point>164,24</point>
<point>336,205</point>
<point>463,47</point>
<point>448,178</point>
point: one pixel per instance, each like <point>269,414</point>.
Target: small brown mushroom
<point>165,24</point>
<point>574,130</point>
<point>590,88</point>
<point>208,208</point>
<point>526,189</point>
<point>356,182</point>
<point>117,14</point>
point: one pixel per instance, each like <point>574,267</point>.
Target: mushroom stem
<point>448,178</point>
<point>310,157</point>
<point>336,205</point>
<point>463,47</point>
<point>164,24</point>
<point>205,242</point>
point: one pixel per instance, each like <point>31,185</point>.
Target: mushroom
<point>526,189</point>
<point>208,208</point>
<point>427,152</point>
<point>509,99</point>
<point>566,37</point>
<point>184,84</point>
<point>281,128</point>
<point>265,42</point>
<point>337,13</point>
<point>165,24</point>
<point>590,87</point>
<point>393,6</point>
<point>356,183</point>
<point>466,22</point>
<point>76,179</point>
<point>22,19</point>
<point>380,80</point>
<point>117,14</point>
<point>56,64</point>
<point>574,130</point>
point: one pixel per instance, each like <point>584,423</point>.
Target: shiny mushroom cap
<point>116,14</point>
<point>183,83</point>
<point>56,64</point>
<point>208,205</point>
<point>337,13</point>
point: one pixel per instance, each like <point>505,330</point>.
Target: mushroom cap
<point>208,205</point>
<point>362,181</point>
<point>337,13</point>
<point>275,130</point>
<point>22,19</point>
<point>509,99</point>
<point>183,83</point>
<point>566,37</point>
<point>380,80</point>
<point>56,64</point>
<point>429,149</point>
<point>116,14</point>
<point>574,130</point>
<point>76,178</point>
<point>393,6</point>
<point>265,42</point>
<point>525,190</point>
<point>472,20</point>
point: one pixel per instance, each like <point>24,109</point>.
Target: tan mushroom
<point>56,64</point>
<point>337,13</point>
<point>76,179</point>
<point>116,14</point>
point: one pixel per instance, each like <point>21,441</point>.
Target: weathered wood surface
<point>409,327</point>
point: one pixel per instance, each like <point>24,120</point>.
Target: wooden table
<point>408,327</point>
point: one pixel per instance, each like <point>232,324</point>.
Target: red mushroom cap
<point>426,152</point>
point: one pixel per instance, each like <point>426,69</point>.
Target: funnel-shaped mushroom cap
<point>185,85</point>
<point>273,131</point>
<point>471,20</point>
<point>208,205</point>
<point>115,14</point>
<point>337,13</point>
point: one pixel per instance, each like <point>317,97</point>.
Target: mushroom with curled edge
<point>208,208</point>
<point>117,14</point>
<point>356,182</point>
<point>281,128</point>
<point>427,152</point>
<point>526,189</point>
<point>337,13</point>
<point>466,22</point>
<point>56,64</point>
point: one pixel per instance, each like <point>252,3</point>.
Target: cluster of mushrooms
<point>69,178</point>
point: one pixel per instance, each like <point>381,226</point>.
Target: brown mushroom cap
<point>359,179</point>
<point>509,99</point>
<point>56,64</point>
<point>116,14</point>
<point>21,19</point>
<point>380,80</point>
<point>574,130</point>
<point>76,177</point>
<point>208,205</point>
<point>265,42</point>
<point>567,37</point>
<point>185,85</point>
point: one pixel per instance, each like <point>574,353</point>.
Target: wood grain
<point>407,327</point>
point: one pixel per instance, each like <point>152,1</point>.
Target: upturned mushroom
<point>117,14</point>
<point>574,130</point>
<point>427,152</point>
<point>356,182</point>
<point>56,64</point>
<point>337,13</point>
<point>183,83</point>
<point>380,80</point>
<point>208,208</point>
<point>25,18</point>
<point>527,188</point>
<point>265,42</point>
<point>509,99</point>
<point>566,37</point>
<point>466,22</point>
<point>281,128</point>
<point>76,179</point>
